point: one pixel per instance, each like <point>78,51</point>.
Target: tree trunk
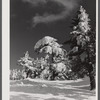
<point>92,77</point>
<point>92,81</point>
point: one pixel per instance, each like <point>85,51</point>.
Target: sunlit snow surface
<point>36,89</point>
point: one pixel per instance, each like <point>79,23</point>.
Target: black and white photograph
<point>53,50</point>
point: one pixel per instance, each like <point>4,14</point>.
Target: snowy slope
<point>51,90</point>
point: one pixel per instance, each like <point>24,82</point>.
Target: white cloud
<point>35,2</point>
<point>68,6</point>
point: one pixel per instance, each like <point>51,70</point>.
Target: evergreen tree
<point>27,63</point>
<point>50,46</point>
<point>83,41</point>
<point>55,51</point>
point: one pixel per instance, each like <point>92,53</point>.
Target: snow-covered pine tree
<point>49,46</point>
<point>83,41</point>
<point>27,64</point>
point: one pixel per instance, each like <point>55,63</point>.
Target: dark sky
<point>31,20</point>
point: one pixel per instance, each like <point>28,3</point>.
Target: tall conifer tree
<point>83,41</point>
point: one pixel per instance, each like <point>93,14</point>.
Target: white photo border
<point>6,49</point>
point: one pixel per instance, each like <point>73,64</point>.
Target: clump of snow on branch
<point>49,45</point>
<point>44,41</point>
<point>81,30</point>
<point>26,61</point>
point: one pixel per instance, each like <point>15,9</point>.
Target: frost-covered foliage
<point>32,67</point>
<point>83,45</point>
<point>43,68</point>
<point>58,67</point>
<point>56,71</point>
<point>80,31</point>
<point>16,74</point>
<point>49,45</point>
<point>27,63</point>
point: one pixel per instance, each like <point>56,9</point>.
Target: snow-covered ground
<point>36,89</point>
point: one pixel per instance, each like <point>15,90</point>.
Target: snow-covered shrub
<point>58,67</point>
<point>27,63</point>
<point>54,50</point>
<point>16,74</point>
<point>45,73</point>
